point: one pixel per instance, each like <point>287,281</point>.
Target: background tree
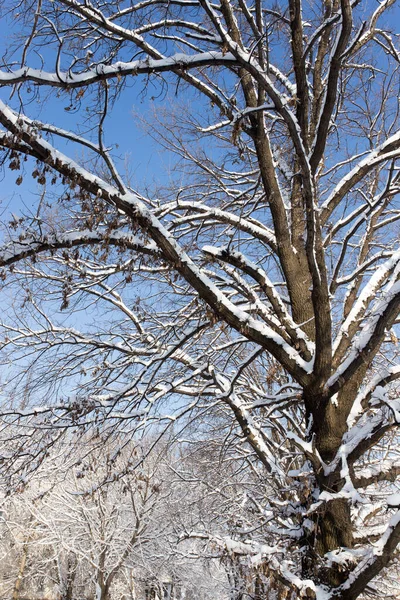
<point>259,288</point>
<point>100,531</point>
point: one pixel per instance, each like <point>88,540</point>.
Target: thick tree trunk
<point>332,521</point>
<point>103,583</point>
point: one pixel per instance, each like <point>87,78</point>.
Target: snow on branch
<point>15,251</point>
<point>388,150</point>
<point>133,206</point>
<point>364,396</point>
<point>366,343</point>
<point>352,323</point>
<point>374,561</point>
<point>239,260</point>
<point>260,553</point>
<point>117,70</point>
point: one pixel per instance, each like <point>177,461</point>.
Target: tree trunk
<point>70,578</point>
<point>332,521</point>
<point>102,591</point>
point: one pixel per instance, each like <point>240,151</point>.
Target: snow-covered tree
<point>253,292</point>
<point>83,532</point>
